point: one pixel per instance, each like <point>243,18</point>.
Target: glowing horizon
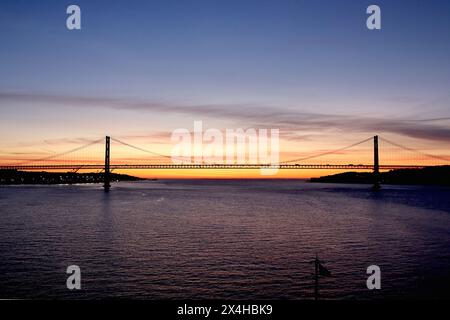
<point>362,154</point>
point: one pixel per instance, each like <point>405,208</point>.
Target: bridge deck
<point>205,166</point>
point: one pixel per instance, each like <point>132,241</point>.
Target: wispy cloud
<point>289,121</point>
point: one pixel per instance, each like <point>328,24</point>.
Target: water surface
<point>224,239</point>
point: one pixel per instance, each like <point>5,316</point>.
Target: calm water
<point>223,239</point>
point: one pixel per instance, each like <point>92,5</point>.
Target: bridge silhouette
<point>293,164</point>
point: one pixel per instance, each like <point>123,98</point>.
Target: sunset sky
<point>138,70</point>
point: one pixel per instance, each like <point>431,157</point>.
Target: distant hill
<point>24,177</point>
<point>439,175</point>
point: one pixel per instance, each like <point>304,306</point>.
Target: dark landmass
<point>439,175</point>
<point>25,177</point>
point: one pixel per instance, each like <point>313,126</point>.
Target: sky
<point>138,70</point>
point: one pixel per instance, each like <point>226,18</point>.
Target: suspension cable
<point>147,151</point>
<point>61,153</point>
<point>328,152</point>
<point>414,150</point>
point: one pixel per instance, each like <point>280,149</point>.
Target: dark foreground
<point>10,177</point>
<point>439,175</point>
<point>224,240</point>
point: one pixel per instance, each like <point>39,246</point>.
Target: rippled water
<point>224,239</point>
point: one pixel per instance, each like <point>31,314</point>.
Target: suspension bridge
<point>59,161</point>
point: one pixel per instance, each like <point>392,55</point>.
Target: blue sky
<point>290,57</point>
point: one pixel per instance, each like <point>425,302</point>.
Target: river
<point>235,239</point>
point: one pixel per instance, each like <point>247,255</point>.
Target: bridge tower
<point>376,165</point>
<point>107,178</point>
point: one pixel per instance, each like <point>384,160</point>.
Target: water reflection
<point>223,239</point>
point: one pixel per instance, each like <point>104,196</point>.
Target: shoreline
<point>16,177</point>
<point>438,176</point>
